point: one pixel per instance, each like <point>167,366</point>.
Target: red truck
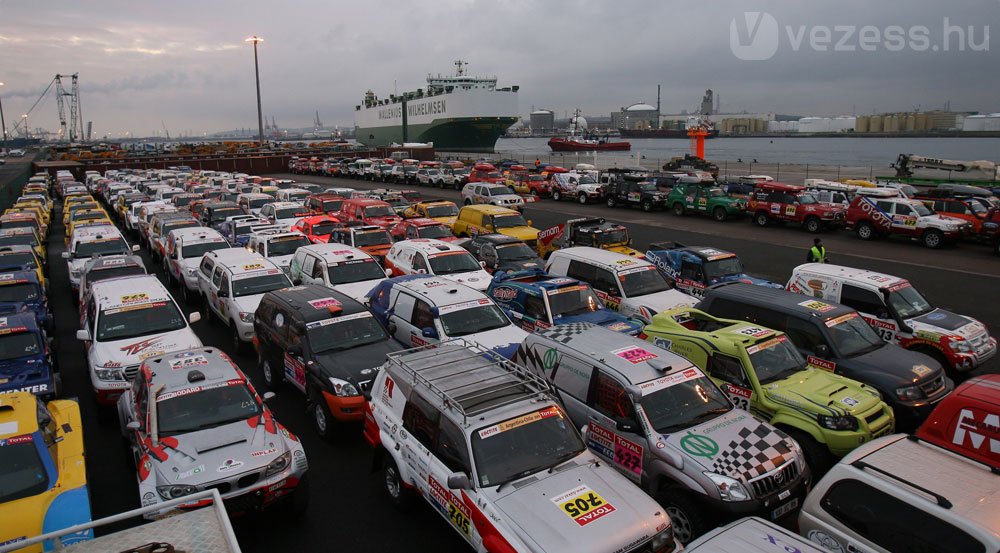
<point>967,421</point>
<point>773,202</point>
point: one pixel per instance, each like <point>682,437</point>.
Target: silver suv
<point>663,423</point>
<point>486,444</point>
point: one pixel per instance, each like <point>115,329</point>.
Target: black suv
<point>503,253</point>
<point>215,213</point>
<point>836,338</point>
<point>323,343</point>
<point>625,191</point>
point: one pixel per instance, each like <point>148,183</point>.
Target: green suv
<point>705,200</point>
<point>761,371</point>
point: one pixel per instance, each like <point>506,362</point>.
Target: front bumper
<point>259,496</point>
<point>245,329</point>
<point>107,392</point>
<point>764,507</point>
<point>345,409</point>
<point>964,362</point>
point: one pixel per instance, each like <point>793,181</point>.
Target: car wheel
<point>678,209</point>
<point>272,378</point>
<point>321,417</point>
<point>933,238</point>
<point>719,214</point>
<point>556,195</point>
<point>234,335</point>
<point>813,225</point>
<point>685,515</point>
<point>206,312</point>
<point>866,231</point>
<point>467,202</point>
<point>817,455</point>
<point>761,219</point>
<point>582,198</point>
<point>610,202</point>
<point>647,205</point>
<point>392,483</point>
<point>186,295</point>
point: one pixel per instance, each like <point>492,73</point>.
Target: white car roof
<point>428,246</point>
<point>441,292</point>
<point>283,205</point>
<point>336,253</point>
<point>128,291</point>
<point>197,235</point>
<point>615,261</point>
<point>96,232</point>
<point>879,280</point>
<point>254,265</point>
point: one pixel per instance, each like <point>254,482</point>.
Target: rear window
<point>24,292</point>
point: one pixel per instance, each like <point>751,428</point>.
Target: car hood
<point>604,317</point>
<point>822,393</point>
<point>356,364</point>
<point>521,233</point>
<point>504,340</point>
<point>383,222</point>
<point>357,290</point>
<point>533,507</point>
<point>282,260</point>
<point>662,301</point>
<point>891,360</point>
<point>200,457</point>
<point>12,367</point>
<point>520,265</point>
<point>248,304</point>
<point>940,320</point>
<point>447,221</point>
<point>480,280</point>
<point>745,278</point>
<point>507,198</point>
<point>736,435</point>
<point>131,351</point>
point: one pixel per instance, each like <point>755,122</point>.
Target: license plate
<point>785,509</point>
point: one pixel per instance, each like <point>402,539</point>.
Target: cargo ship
<point>459,112</point>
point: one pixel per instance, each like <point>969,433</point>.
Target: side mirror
<point>823,350</point>
<point>882,314</point>
<point>194,317</point>
<point>83,335</point>
<point>388,272</point>
<point>421,271</point>
<point>135,249</point>
<point>459,481</point>
<point>626,425</point>
<point>294,350</point>
<point>64,255</point>
<point>391,327</point>
<point>429,332</point>
<point>529,222</point>
<point>296,281</point>
<point>482,264</point>
<point>268,396</point>
<point>133,425</point>
<point>223,293</point>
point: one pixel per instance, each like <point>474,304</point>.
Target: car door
<point>293,363</point>
<point>420,422</point>
<point>401,314</point>
<point>213,290</point>
<point>450,456</point>
<point>423,331</point>
<point>612,427</point>
<point>904,219</point>
<point>489,254</point>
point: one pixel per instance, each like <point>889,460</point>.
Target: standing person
<point>537,163</point>
<point>817,253</point>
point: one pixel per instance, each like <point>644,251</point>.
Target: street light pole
<point>3,124</point>
<point>256,68</point>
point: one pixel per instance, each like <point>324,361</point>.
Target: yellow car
<point>25,236</point>
<point>43,476</point>
<point>69,210</point>
<point>441,211</point>
<point>22,258</point>
<point>35,206</point>
<point>18,219</point>
<point>487,219</point>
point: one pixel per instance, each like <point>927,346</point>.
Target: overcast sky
<point>186,63</point>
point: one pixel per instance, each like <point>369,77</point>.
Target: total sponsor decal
<point>741,397</point>
<point>448,503</point>
<point>625,453</point>
<point>25,439</point>
<point>822,364</point>
<point>583,505</point>
<point>511,424</point>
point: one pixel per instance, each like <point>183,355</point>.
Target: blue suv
<point>25,358</point>
<point>693,269</point>
<point>20,292</point>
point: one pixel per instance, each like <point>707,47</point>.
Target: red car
<point>328,204</point>
<point>486,172</point>
<point>777,202</point>
<point>967,421</point>
<point>317,228</point>
<point>421,228</point>
<point>369,211</point>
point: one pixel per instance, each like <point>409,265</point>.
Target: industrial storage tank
<point>923,122</point>
<point>875,124</point>
<point>992,122</point>
<point>910,123</point>
<point>861,124</point>
<point>891,123</point>
<point>974,123</point>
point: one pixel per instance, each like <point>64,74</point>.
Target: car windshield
<point>642,282</point>
<point>379,211</point>
<point>515,252</point>
<point>249,286</point>
<point>472,320</point>
<point>619,236</point>
<point>22,473</point>
<point>332,205</point>
<point>907,303</point>
<point>22,344</point>
<point>290,213</point>
<point>648,187</point>
<point>775,359</point>
<point>340,333</point>
<point>372,238</point>
<point>587,180</point>
<point>724,267</point>
<point>24,292</point>
<point>453,262</point>
<point>18,240</point>
<point>851,335</point>
<point>683,405</point>
<point>208,407</point>
<point>523,445</point>
<point>106,246</point>
<point>184,200</point>
<point>498,190</point>
<point>167,227</point>
<point>105,274</point>
<point>325,227</point>
<point>509,221</point>
<point>460,172</point>
<point>220,214</point>
<point>142,319</point>
<point>355,271</point>
<point>442,211</point>
<point>716,193</point>
<point>572,300</point>
<point>435,231</point>
<point>198,250</point>
<point>286,245</point>
<point>258,203</point>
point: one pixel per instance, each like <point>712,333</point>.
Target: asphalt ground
<point>348,511</point>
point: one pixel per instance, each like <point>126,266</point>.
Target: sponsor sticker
<point>190,472</point>
<point>634,354</point>
<point>921,370</point>
<point>837,320</point>
<point>229,465</point>
<point>511,424</point>
<point>673,379</point>
<point>341,319</point>
<point>263,452</point>
<point>754,331</point>
<point>188,362</point>
<point>133,298</point>
<point>821,363</point>
<point>899,286</point>
<point>464,305</point>
<point>324,303</point>
<point>567,289</point>
<point>504,293</point>
<point>583,505</point>
<point>817,305</point>
<point>766,345</point>
<point>849,401</point>
<point>253,266</point>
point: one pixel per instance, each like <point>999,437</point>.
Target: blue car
<point>20,292</point>
<point>25,358</point>
<point>533,299</point>
<point>238,232</point>
<point>693,269</point>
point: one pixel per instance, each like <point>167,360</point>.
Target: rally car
<point>576,186</point>
<point>371,239</point>
<point>21,292</point>
<point>500,252</point>
<point>435,257</point>
<point>884,213</point>
<point>26,362</point>
<point>422,228</point>
<point>277,245</point>
<point>104,268</point>
<point>317,228</point>
<point>595,232</point>
<point>43,482</point>
<point>693,269</point>
<point>535,300</point>
<point>22,258</point>
<point>773,202</point>
<point>441,211</point>
<point>194,422</point>
<point>368,211</point>
<point>705,200</point>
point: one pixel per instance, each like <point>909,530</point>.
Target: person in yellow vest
<point>817,253</point>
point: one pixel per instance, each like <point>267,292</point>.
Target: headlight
<point>909,393</point>
<point>190,271</point>
<point>343,388</point>
<point>173,492</point>
<point>663,541</point>
<point>730,489</point>
<point>109,374</point>
<point>960,346</point>
<point>846,422</point>
<point>246,317</point>
<point>279,464</point>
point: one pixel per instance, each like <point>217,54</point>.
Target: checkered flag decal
<point>566,332</point>
<point>756,452</point>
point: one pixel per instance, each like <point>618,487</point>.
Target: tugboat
<point>577,141</point>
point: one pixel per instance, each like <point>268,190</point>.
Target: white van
<point>347,270</point>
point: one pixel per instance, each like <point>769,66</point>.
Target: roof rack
<point>470,359</point>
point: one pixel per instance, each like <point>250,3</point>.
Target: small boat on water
<point>577,141</point>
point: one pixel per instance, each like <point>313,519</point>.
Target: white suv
<point>428,256</point>
<point>493,194</point>
<point>184,249</point>
<point>347,270</point>
<point>90,242</point>
<point>278,245</point>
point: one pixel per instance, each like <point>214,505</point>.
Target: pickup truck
<point>709,200</point>
<point>593,231</point>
